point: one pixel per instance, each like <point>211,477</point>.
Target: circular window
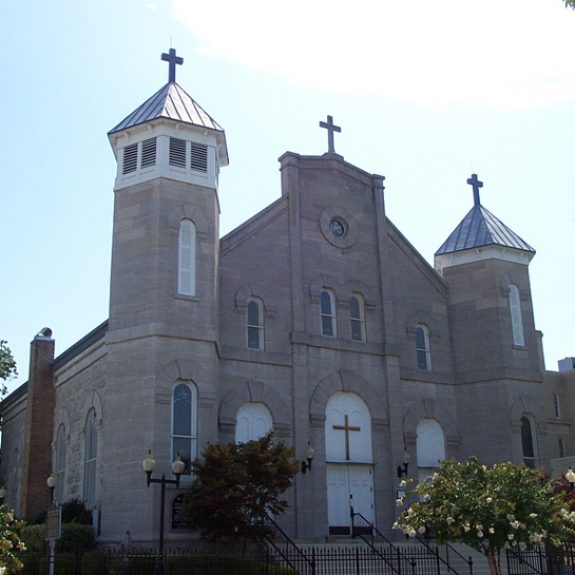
<point>337,228</point>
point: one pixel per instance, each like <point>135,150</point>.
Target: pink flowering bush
<point>487,507</point>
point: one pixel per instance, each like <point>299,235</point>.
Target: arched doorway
<point>349,463</point>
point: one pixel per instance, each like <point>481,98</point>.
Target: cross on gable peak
<point>331,128</point>
<point>474,182</point>
<point>173,60</point>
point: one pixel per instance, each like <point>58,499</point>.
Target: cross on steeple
<point>331,128</point>
<point>173,60</point>
<point>347,428</point>
<point>475,184</point>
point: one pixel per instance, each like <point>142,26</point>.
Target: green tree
<point>10,543</point>
<point>237,484</point>
<point>488,507</point>
<point>7,367</point>
<point>570,3</point>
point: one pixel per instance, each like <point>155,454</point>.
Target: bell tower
<point>163,323</point>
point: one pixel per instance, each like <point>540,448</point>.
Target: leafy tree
<point>236,485</point>
<point>7,367</point>
<point>10,543</point>
<point>488,508</point>
<point>570,3</point>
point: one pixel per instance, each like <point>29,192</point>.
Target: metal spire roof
<point>481,228</point>
<point>172,102</point>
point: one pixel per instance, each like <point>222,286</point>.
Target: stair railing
<point>449,552</point>
<point>296,554</point>
<point>398,556</point>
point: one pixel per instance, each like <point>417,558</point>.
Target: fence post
<point>437,560</point>
<point>313,561</point>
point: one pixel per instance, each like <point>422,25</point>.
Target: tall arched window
<point>255,324</point>
<point>327,313</point>
<point>422,347</point>
<point>430,447</point>
<point>357,317</point>
<point>60,464</point>
<point>184,424</point>
<point>529,441</point>
<point>253,421</point>
<point>516,317</point>
<point>187,258</point>
<point>90,459</point>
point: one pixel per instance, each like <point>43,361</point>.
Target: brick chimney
<point>37,450</point>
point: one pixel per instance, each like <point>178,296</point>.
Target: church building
<point>316,318</point>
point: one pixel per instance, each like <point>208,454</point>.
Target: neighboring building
<point>315,318</point>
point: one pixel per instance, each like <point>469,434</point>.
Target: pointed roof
<point>481,228</point>
<point>171,102</point>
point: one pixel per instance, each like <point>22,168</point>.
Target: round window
<point>337,228</point>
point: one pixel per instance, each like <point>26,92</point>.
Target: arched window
<point>90,459</point>
<point>187,258</point>
<point>60,464</point>
<point>327,313</point>
<point>516,317</point>
<point>184,424</point>
<point>253,421</point>
<point>255,324</point>
<point>422,347</point>
<point>430,447</point>
<point>357,317</point>
<point>529,441</point>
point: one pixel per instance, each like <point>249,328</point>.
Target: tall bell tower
<point>163,323</point>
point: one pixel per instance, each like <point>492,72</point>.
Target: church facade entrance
<point>349,464</point>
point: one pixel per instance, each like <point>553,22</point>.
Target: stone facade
<point>363,349</point>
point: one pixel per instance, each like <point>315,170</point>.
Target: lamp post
<point>51,483</point>
<point>178,467</point>
<point>309,453</point>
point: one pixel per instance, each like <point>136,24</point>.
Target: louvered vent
<point>177,153</point>
<point>149,152</point>
<point>199,157</point>
<point>130,159</point>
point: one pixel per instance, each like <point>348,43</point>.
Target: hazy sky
<point>425,93</point>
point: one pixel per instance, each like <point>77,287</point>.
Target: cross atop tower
<point>173,60</point>
<point>475,184</point>
<point>331,128</point>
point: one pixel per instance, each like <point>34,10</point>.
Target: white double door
<point>349,485</point>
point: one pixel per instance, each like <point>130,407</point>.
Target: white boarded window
<point>177,153</point>
<point>253,421</point>
<point>148,153</point>
<point>255,324</point>
<point>187,258</point>
<point>184,424</point>
<point>430,447</point>
<point>422,347</point>
<point>90,459</point>
<point>357,317</point>
<point>130,159</point>
<point>327,313</point>
<point>516,317</point>
<point>199,157</point>
<point>60,464</point>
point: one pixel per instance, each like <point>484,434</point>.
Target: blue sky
<point>425,92</point>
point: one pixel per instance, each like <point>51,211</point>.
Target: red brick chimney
<point>37,451</point>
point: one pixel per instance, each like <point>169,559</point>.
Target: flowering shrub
<point>10,543</point>
<point>487,507</point>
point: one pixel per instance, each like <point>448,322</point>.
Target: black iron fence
<point>541,560</point>
<point>336,560</point>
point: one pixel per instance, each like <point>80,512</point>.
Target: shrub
<point>94,562</point>
<point>33,537</point>
<point>76,538</point>
<point>74,511</point>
